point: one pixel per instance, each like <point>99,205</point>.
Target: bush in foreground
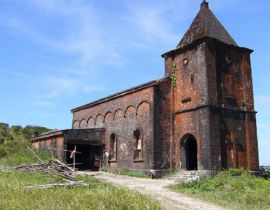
<point>236,189</point>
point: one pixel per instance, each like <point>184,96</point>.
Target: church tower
<point>213,117</point>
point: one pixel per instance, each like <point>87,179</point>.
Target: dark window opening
<point>138,145</point>
<point>113,148</point>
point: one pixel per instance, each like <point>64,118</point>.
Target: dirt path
<point>157,189</point>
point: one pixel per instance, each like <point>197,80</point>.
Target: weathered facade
<point>89,143</point>
<point>199,116</point>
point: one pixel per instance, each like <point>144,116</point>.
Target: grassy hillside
<point>234,189</point>
<point>13,144</point>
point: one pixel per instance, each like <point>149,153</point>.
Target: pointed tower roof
<point>206,25</point>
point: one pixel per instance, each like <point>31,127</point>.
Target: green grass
<point>15,195</point>
<point>234,189</point>
<point>129,172</point>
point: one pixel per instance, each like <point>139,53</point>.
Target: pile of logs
<point>52,166</point>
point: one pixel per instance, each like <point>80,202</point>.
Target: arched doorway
<point>188,152</point>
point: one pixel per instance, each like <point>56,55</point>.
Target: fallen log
<point>71,184</point>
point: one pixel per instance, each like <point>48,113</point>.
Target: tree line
<point>14,138</point>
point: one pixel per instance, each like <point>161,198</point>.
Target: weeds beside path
<point>235,189</point>
<point>16,194</point>
<point>157,188</point>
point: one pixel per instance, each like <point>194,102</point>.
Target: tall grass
<point>236,189</point>
<point>15,195</point>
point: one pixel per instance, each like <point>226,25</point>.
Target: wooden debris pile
<point>52,166</point>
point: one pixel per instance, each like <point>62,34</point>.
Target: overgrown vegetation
<point>173,76</point>
<point>236,189</point>
<point>13,144</point>
<point>15,195</point>
<point>129,172</point>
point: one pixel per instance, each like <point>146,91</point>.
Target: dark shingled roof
<point>206,25</point>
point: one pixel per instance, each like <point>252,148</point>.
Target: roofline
<point>199,41</point>
<point>58,133</point>
<point>48,134</point>
<point>116,95</point>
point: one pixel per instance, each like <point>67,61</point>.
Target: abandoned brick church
<point>199,116</point>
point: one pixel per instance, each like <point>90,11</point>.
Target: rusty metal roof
<point>206,24</point>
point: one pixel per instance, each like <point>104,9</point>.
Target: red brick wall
<point>230,82</point>
<point>57,143</point>
<point>213,97</point>
<point>123,116</point>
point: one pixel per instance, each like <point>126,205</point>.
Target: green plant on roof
<point>173,76</point>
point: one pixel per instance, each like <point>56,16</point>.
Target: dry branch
<point>69,184</point>
<point>52,166</point>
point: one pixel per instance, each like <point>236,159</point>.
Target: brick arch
<point>99,120</point>
<point>119,113</point>
<point>83,123</point>
<point>143,107</point>
<point>108,117</point>
<point>76,124</point>
<point>91,122</point>
<point>130,112</point>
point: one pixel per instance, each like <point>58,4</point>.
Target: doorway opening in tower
<point>188,150</point>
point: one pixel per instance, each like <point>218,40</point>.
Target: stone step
<point>184,176</point>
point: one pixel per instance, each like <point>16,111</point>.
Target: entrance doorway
<point>188,152</point>
<point>87,158</point>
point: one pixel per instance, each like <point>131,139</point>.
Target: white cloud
<point>58,86</point>
<point>96,39</point>
<point>85,35</point>
<point>99,38</point>
<point>156,20</point>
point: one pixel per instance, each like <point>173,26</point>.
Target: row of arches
<point>130,112</point>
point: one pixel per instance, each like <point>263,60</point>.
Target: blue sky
<point>59,54</point>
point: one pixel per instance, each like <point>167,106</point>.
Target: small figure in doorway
<point>106,158</point>
<point>97,162</point>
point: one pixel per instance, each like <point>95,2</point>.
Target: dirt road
<point>157,189</point>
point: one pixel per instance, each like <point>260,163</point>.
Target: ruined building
<point>199,116</point>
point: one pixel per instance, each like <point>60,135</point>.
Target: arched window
<point>113,147</point>
<point>138,145</point>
